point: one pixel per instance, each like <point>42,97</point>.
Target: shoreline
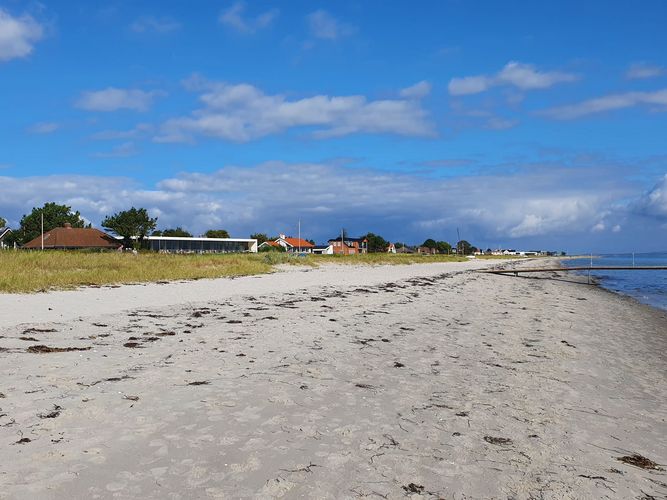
<point>393,381</point>
<point>598,282</point>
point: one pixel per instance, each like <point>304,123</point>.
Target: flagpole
<point>42,214</point>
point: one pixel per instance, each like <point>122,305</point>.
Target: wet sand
<point>428,381</point>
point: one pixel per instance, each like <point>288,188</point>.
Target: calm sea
<point>649,287</point>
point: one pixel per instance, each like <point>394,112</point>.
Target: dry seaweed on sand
<point>52,414</point>
<point>639,461</point>
<point>497,440</point>
<point>42,349</point>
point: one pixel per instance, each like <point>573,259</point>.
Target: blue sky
<point>524,124</point>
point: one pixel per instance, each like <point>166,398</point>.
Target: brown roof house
<point>72,238</point>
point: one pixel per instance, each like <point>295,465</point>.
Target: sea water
<point>649,287</point>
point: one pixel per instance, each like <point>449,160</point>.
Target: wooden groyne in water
<point>574,268</point>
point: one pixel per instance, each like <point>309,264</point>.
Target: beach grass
<point>35,271</point>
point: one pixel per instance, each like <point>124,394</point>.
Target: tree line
<point>135,224</point>
<point>132,225</point>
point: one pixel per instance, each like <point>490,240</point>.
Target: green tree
<point>54,216</point>
<point>443,247</point>
<point>3,222</point>
<point>132,223</point>
<point>178,232</point>
<point>376,243</point>
<point>217,233</point>
<point>271,248</point>
<point>430,243</point>
<point>464,247</point>
<point>260,237</point>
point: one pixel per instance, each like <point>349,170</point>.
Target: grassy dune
<point>23,271</point>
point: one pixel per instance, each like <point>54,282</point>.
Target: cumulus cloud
<point>234,18</point>
<point>326,27</point>
<point>150,24</point>
<point>271,196</point>
<point>416,91</point>
<point>44,128</point>
<point>657,100</point>
<point>18,35</point>
<point>243,112</point>
<point>113,99</point>
<point>514,74</point>
<point>644,70</point>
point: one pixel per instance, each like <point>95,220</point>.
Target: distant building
<point>426,251</point>
<point>405,249</point>
<point>292,245</point>
<point>4,232</point>
<point>323,249</point>
<point>349,246</point>
<point>182,244</point>
<point>74,238</point>
<point>391,248</point>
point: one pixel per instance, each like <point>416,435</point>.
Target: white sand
<point>342,382</point>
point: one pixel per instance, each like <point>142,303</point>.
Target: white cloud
<point>234,18</point>
<point>514,74</point>
<point>150,24</point>
<point>113,99</point>
<point>44,128</point>
<point>243,112</point>
<point>644,70</point>
<point>416,91</point>
<point>18,35</point>
<point>656,99</point>
<point>326,27</point>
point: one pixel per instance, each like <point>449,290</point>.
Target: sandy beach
<point>422,381</point>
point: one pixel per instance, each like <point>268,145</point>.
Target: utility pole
<point>458,241</point>
<point>299,235</point>
<point>42,214</point>
<point>341,241</point>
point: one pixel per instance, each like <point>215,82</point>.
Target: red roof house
<point>69,237</point>
<point>290,244</point>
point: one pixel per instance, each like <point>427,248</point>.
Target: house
<point>183,244</point>
<point>349,246</point>
<point>426,251</point>
<point>291,245</point>
<point>74,238</point>
<point>4,232</point>
<point>405,249</point>
<point>323,249</point>
<point>391,248</point>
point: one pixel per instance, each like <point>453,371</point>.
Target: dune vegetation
<point>35,271</point>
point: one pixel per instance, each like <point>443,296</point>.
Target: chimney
<point>282,236</point>
<point>68,225</point>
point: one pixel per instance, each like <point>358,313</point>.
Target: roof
<point>74,237</point>
<point>4,231</point>
<point>193,238</point>
<point>270,243</point>
<point>297,242</point>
